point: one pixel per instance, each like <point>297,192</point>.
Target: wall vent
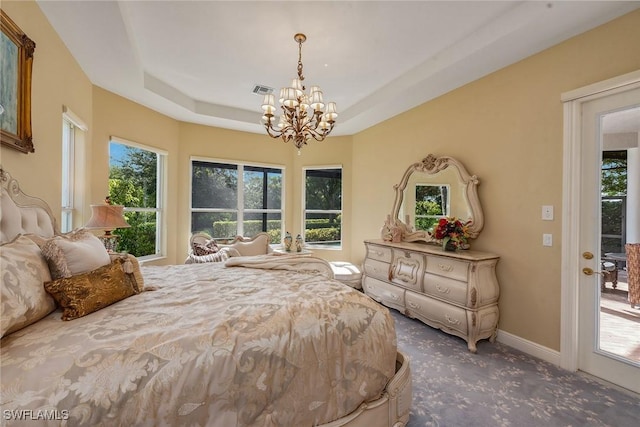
<point>262,90</point>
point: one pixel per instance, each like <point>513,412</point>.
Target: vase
<point>298,243</point>
<point>449,246</point>
<point>288,240</point>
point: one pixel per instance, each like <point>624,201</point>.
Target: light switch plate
<point>547,212</point>
<point>547,240</point>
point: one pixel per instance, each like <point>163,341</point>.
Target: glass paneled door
<point>608,325</point>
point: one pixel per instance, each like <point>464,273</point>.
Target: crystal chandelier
<point>302,116</point>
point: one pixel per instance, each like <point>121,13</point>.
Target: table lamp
<point>107,218</point>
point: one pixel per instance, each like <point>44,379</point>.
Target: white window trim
<point>313,245</point>
<point>161,239</point>
<point>74,155</point>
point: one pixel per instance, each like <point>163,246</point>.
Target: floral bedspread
<point>212,345</point>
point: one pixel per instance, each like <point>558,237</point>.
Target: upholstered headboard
<point>22,214</point>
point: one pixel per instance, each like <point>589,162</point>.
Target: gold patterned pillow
<point>88,292</point>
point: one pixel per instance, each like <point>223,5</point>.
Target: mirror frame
<point>396,230</point>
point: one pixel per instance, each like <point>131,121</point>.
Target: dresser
<point>456,292</point>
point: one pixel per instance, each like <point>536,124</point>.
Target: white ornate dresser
<point>455,291</point>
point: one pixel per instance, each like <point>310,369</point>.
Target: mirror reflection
<point>429,190</point>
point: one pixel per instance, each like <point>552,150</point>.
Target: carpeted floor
<point>501,386</point>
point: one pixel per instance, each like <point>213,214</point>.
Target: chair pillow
<point>86,293</point>
<point>23,300</point>
<point>74,253</point>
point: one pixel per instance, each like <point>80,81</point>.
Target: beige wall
<point>57,80</point>
<point>114,116</point>
<point>507,128</point>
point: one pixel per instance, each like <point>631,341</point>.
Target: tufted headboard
<point>22,214</point>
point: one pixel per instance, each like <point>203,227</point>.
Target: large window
<point>230,199</point>
<point>73,130</point>
<point>323,207</point>
<point>135,181</point>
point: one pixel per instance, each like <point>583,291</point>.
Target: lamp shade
<point>107,217</point>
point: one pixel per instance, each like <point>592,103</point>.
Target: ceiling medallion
<point>302,116</point>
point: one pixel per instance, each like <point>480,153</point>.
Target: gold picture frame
<point>16,51</point>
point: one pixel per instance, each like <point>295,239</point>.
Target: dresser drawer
<point>407,269</point>
<point>448,267</point>
<point>437,313</point>
<point>445,288</point>
<point>379,253</point>
<point>377,269</point>
<point>389,295</point>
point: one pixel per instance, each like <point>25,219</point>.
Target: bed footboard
<point>391,410</point>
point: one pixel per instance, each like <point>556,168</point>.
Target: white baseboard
<point>531,348</point>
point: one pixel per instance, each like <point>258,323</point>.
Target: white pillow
<point>23,300</point>
<point>74,253</point>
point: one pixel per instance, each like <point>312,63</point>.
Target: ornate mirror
<point>433,188</point>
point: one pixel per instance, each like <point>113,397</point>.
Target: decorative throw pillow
<point>73,253</point>
<point>220,256</point>
<point>85,293</point>
<point>206,248</point>
<point>130,265</point>
<point>23,300</point>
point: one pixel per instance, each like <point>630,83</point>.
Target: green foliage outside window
<point>132,183</point>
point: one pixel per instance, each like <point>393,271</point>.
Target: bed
<point>254,341</point>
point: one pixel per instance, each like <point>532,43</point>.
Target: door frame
<point>572,150</point>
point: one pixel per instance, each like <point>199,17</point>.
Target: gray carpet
<point>501,386</point>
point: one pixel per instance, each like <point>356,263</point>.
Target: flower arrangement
<point>453,233</point>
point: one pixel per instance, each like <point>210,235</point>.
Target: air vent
<point>262,90</point>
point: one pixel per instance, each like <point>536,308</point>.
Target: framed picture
<point>16,59</point>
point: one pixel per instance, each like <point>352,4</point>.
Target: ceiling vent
<point>262,90</point>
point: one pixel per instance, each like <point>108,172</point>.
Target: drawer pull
<point>415,306</point>
<point>379,253</point>
<point>452,321</point>
<point>445,267</point>
<point>441,289</point>
<point>392,296</point>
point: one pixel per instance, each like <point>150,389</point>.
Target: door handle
<point>587,255</point>
<point>589,272</point>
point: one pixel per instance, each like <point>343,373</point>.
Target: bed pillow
<point>73,253</point>
<point>23,300</point>
<point>222,255</point>
<point>206,248</point>
<point>86,293</point>
<point>130,265</point>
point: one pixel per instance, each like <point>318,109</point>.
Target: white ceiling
<point>198,61</point>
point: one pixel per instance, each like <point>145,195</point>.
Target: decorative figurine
<point>288,240</point>
<point>298,243</point>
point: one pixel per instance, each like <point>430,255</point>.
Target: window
<point>432,203</point>
<point>136,175</point>
<point>230,199</point>
<point>323,207</point>
<point>72,137</point>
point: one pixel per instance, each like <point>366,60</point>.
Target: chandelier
<point>302,116</point>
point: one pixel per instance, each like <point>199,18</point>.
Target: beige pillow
<point>23,300</point>
<point>74,253</point>
<point>85,293</point>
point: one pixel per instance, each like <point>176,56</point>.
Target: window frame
<point>161,190</point>
<point>239,209</point>
<point>314,245</point>
<point>73,135</point>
